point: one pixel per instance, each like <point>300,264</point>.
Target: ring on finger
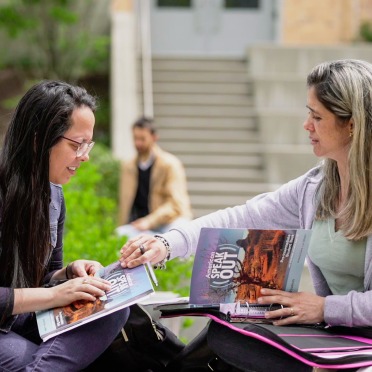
<point>85,281</point>
<point>292,311</point>
<point>142,249</point>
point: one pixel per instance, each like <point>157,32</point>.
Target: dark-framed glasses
<point>84,147</point>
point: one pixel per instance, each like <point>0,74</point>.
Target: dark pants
<point>22,350</point>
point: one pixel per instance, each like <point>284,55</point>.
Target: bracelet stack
<point>161,265</point>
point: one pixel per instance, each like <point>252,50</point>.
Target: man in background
<point>153,191</point>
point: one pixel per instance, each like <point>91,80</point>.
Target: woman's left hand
<point>82,268</point>
<point>298,307</point>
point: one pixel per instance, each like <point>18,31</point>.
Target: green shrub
<point>366,31</point>
<point>55,39</point>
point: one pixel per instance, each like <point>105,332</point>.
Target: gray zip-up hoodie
<point>292,206</point>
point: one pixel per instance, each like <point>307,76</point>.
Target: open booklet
<point>232,265</point>
<point>128,286</point>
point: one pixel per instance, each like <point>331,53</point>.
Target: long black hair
<point>42,116</point>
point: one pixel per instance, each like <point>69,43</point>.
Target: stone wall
<point>278,74</point>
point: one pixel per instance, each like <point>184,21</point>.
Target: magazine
<point>232,265</point>
<point>128,286</point>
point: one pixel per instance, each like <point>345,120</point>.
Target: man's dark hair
<point>145,123</point>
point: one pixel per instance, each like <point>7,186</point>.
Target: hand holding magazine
<point>128,286</point>
<point>232,265</point>
<point>230,268</point>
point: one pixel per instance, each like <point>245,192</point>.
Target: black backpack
<point>142,345</point>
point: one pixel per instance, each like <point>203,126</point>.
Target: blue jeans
<point>22,350</point>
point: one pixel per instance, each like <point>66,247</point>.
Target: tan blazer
<point>168,197</point>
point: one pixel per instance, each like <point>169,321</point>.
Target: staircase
<point>203,110</point>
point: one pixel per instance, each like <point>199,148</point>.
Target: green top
<point>340,260</point>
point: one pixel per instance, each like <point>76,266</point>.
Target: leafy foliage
<point>366,31</point>
<point>103,119</point>
<point>176,277</point>
<point>55,39</point>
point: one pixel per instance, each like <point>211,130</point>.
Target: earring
<point>351,132</point>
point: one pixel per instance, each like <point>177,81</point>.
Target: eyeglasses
<point>84,147</point>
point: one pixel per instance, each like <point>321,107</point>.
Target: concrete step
<point>221,161</point>
<point>212,147</point>
<point>203,211</point>
<point>216,135</point>
<point>240,87</point>
<point>229,188</point>
<point>204,111</point>
<point>247,175</point>
<point>218,201</point>
<point>195,64</point>
<point>204,114</point>
<point>236,100</point>
<point>199,76</point>
<point>166,122</point>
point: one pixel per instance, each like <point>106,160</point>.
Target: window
<point>253,4</point>
<point>174,3</point>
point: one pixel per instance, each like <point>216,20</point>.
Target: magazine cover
<point>232,265</point>
<point>128,286</point>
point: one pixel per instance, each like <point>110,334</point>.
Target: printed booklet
<point>232,265</point>
<point>128,286</point>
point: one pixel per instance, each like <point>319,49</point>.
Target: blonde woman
<point>333,199</point>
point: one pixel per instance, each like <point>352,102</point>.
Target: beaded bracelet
<point>161,265</point>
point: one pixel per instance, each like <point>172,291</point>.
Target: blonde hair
<point>344,87</point>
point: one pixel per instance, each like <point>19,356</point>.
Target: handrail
<point>146,64</point>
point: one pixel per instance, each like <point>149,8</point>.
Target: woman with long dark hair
<point>49,137</point>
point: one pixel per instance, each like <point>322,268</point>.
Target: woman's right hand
<point>87,288</point>
<point>154,251</point>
